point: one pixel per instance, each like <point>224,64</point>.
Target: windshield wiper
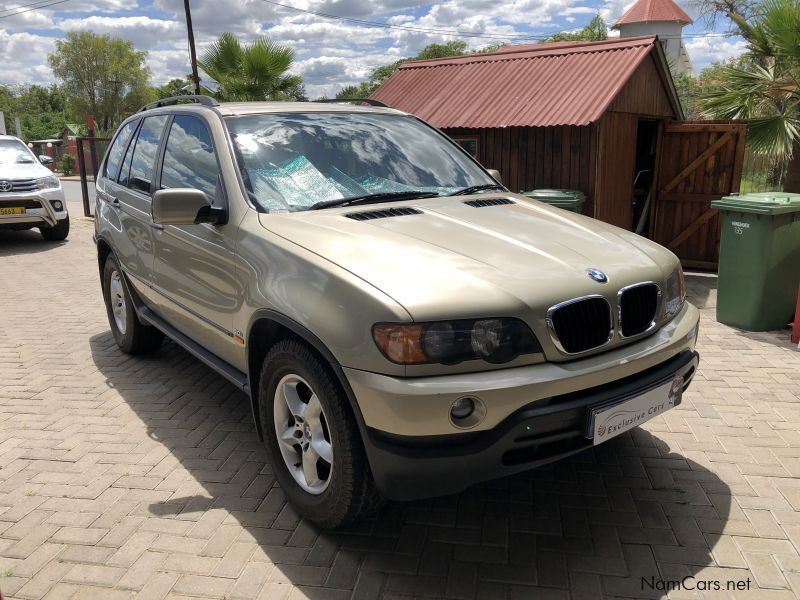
<point>477,188</point>
<point>372,198</point>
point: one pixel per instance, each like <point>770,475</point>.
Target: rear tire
<point>131,335</point>
<point>58,232</point>
<point>302,409</point>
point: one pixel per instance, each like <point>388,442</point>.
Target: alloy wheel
<point>303,435</point>
<point>117,300</point>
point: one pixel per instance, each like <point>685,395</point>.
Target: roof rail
<point>370,101</point>
<point>204,100</point>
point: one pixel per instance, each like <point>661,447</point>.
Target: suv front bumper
<point>38,205</point>
<point>406,468</point>
<point>415,451</point>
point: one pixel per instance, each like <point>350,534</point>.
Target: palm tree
<point>766,89</point>
<point>256,71</point>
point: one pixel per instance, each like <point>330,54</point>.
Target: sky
<point>330,53</point>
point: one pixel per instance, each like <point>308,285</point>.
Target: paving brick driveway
<point>124,477</point>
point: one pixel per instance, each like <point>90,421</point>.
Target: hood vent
<point>488,202</point>
<point>383,214</point>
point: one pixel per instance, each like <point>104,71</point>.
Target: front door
<point>129,197</point>
<point>194,264</point>
<point>699,162</point>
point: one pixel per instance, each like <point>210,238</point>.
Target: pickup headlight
<point>675,294</point>
<point>48,182</point>
<point>496,341</point>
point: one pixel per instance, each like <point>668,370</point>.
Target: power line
<point>48,4</point>
<point>11,8</point>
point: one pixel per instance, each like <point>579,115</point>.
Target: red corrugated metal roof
<point>653,11</point>
<point>534,85</point>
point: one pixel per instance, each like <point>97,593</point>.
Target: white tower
<point>663,18</point>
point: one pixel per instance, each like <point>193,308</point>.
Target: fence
<point>762,173</point>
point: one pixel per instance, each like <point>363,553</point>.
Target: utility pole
<point>192,54</point>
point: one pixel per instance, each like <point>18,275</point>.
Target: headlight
<point>496,341</point>
<point>675,294</point>
<point>48,182</point>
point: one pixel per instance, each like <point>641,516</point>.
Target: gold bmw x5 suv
<point>403,325</point>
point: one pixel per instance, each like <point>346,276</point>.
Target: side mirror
<point>45,160</point>
<point>495,175</point>
<point>184,206</point>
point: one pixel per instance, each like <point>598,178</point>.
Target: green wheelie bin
<point>571,200</point>
<point>759,260</point>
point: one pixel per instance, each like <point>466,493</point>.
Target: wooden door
<point>698,162</point>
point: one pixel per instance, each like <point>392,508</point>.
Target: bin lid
<point>762,203</point>
<point>557,196</point>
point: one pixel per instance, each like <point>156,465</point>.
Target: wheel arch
<point>103,250</point>
<point>268,327</point>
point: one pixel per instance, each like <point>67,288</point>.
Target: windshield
<point>14,151</point>
<point>291,162</point>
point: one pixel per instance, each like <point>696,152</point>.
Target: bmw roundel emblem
<point>597,275</point>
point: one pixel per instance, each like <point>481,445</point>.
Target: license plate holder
<point>610,420</point>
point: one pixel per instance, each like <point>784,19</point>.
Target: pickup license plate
<point>14,210</point>
<point>608,422</point>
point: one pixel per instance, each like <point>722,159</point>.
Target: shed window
<point>470,144</point>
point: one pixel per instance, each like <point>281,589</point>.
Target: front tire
<point>131,335</point>
<point>312,438</point>
<point>58,232</point>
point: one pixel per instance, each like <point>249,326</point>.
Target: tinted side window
<point>144,154</point>
<point>189,159</point>
<point>114,159</point>
<point>126,164</point>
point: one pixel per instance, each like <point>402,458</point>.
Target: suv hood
<point>455,260</point>
<point>23,170</point>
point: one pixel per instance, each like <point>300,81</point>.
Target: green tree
<point>8,103</point>
<point>102,76</point>
<point>765,89</point>
<point>256,71</point>
<point>175,87</point>
<point>451,48</point>
<point>595,31</point>
<point>41,110</point>
<point>692,89</point>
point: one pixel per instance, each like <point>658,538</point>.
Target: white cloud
<point>168,64</point>
<point>713,48</point>
<point>212,17</point>
<point>144,32</point>
<point>330,53</point>
<point>614,9</point>
<point>23,58</point>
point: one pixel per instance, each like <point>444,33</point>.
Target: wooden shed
<point>600,117</point>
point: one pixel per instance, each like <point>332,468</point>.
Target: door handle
<point>113,200</point>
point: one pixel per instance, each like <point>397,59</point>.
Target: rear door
<point>699,161</point>
<point>194,264</point>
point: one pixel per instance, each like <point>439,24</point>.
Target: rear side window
<point>144,153</point>
<point>189,160</point>
<point>117,149</point>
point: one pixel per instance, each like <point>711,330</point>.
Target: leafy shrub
<point>66,164</point>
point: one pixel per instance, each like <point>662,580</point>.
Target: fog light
<point>57,204</point>
<point>462,408</point>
